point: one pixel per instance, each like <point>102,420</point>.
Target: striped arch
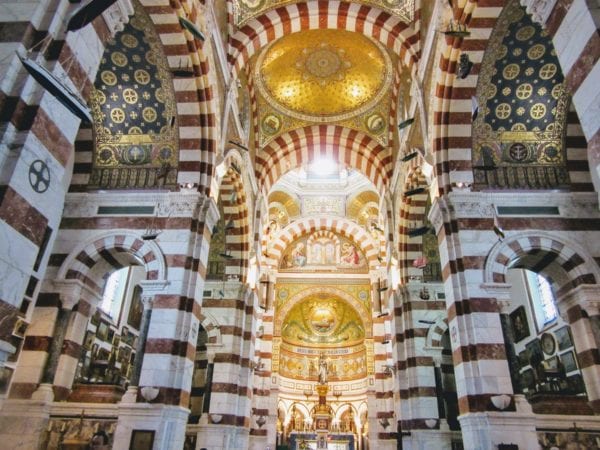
<point>436,332</point>
<point>213,330</point>
<point>412,215</point>
<point>452,104</point>
<point>399,37</point>
<point>232,197</point>
<point>349,147</point>
<point>195,95</point>
<point>93,261</point>
<point>369,246</point>
<point>561,261</point>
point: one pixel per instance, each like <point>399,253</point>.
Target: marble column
<point>138,409</point>
<point>147,300</point>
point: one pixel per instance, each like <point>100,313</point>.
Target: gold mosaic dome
<point>323,75</point>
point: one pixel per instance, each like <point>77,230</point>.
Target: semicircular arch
<point>343,145</point>
<point>399,37</point>
<point>92,260</point>
<point>563,261</point>
<point>341,226</point>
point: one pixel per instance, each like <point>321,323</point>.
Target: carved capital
<point>118,15</point>
<point>540,10</point>
<point>210,212</point>
<point>71,291</point>
<point>586,296</point>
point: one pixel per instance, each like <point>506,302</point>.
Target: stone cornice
<point>167,204</point>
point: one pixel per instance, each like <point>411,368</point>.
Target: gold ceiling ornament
<point>323,76</point>
<point>322,320</point>
<point>245,10</point>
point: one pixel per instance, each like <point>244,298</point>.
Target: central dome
<point>323,75</point>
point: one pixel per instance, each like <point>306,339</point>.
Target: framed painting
<point>518,319</point>
<point>102,331</point>
<point>536,355</point>
<point>568,360</point>
<point>89,339</point>
<point>527,380</point>
<point>563,338</point>
<point>141,440</point>
<point>136,308</point>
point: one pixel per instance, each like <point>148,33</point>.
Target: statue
<point>322,369</point>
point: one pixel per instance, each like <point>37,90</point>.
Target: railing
<point>522,177</point>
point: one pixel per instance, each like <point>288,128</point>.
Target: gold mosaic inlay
<point>322,75</point>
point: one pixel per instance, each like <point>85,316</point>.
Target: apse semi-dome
<point>323,75</point>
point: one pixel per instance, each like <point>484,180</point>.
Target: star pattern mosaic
<point>518,134</point>
<point>134,111</point>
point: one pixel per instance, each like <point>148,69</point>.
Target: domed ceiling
<point>327,325</point>
<point>322,320</point>
<point>323,74</point>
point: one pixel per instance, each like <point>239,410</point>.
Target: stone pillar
<point>578,307</point>
<point>24,417</point>
<point>483,423</point>
<point>79,301</point>
<point>143,335</point>
<point>473,310</point>
<point>156,403</point>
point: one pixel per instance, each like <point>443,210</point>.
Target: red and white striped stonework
<point>451,127</point>
<point>197,96</point>
<point>573,270</point>
<point>348,147</point>
<point>37,127</point>
<point>344,227</point>
<point>573,25</point>
<point>418,352</point>
<point>452,117</point>
<point>399,37</point>
<point>411,216</point>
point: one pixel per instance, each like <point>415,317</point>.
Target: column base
<point>489,429</point>
<point>425,440</point>
<point>44,393</point>
<point>167,422</point>
<point>23,423</point>
<point>219,437</point>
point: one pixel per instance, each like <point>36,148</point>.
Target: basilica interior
<point>293,225</point>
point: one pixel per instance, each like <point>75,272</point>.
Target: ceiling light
<point>323,167</point>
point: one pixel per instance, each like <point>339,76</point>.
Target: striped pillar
<point>38,132</point>
<point>577,307</point>
<point>170,347</point>
<point>476,337</point>
<point>77,301</point>
<point>416,373</point>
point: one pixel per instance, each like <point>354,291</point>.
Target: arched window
<point>542,299</point>
<point>114,291</point>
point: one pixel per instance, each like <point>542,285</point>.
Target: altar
<point>309,441</point>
